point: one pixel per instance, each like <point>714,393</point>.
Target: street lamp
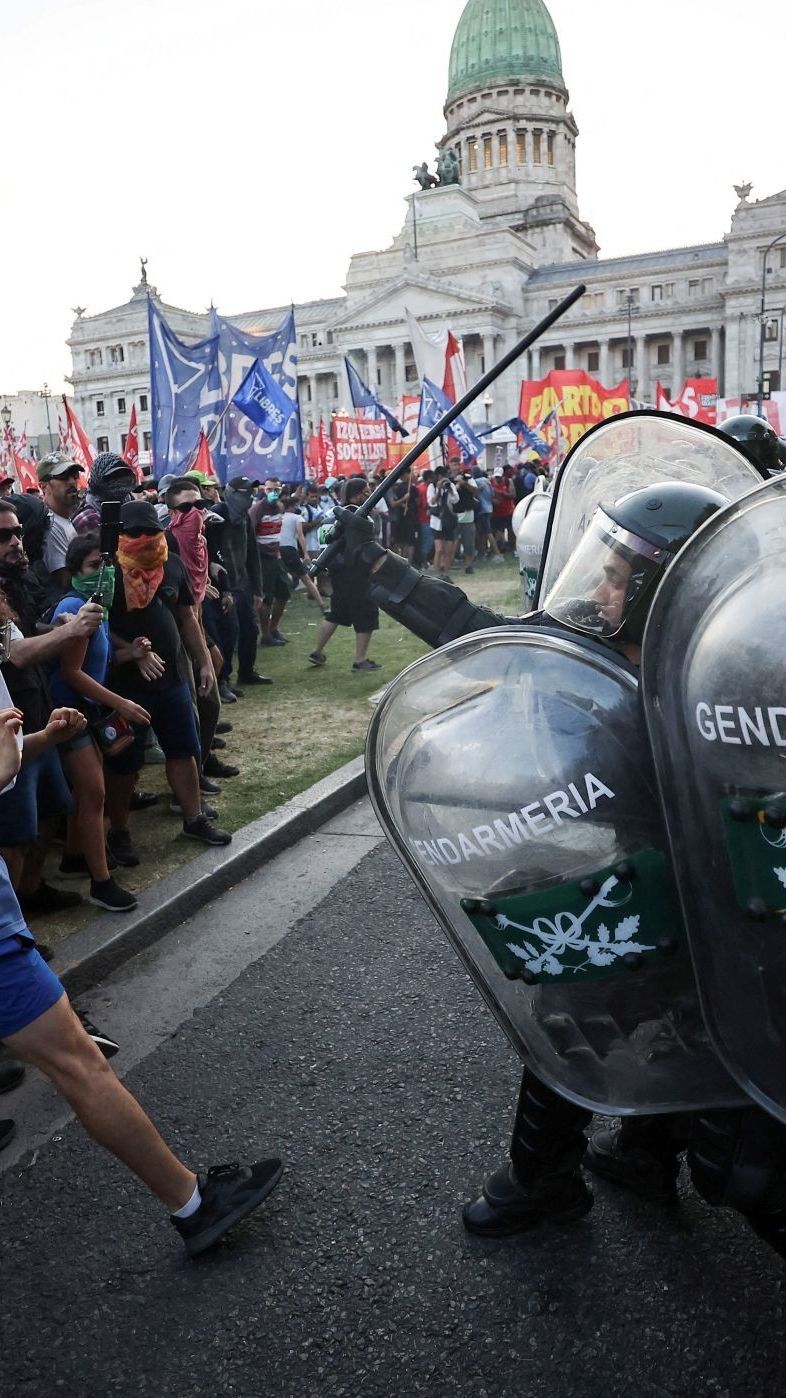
<point>760,388</point>
<point>630,302</point>
<point>488,404</point>
<point>46,394</point>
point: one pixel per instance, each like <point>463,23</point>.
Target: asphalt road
<point>350,1041</point>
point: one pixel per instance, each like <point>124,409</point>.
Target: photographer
<point>443,499</point>
<point>465,516</point>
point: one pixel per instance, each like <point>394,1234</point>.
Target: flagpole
<point>331,549</point>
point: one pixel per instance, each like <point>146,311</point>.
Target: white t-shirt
<point>288,536</point>
<point>59,535</point>
<point>432,498</point>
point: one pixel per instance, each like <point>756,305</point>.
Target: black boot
<point>641,1155</point>
<point>543,1179</point>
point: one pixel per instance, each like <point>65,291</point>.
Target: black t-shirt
<point>159,622</point>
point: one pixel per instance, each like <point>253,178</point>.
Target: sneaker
<point>118,842</point>
<point>142,800</point>
<point>11,1072</point>
<point>229,1194</point>
<point>227,696</point>
<point>154,756</point>
<point>202,829</point>
<point>218,745</point>
<point>74,866</point>
<point>470,569</point>
<point>496,558</point>
<point>509,1205</point>
<point>254,678</point>
<point>7,1133</point>
<point>214,767</point>
<point>209,811</point>
<point>238,693</point>
<point>111,896</point>
<point>271,640</point>
<point>208,786</point>
<point>279,639</point>
<point>107,1046</point>
<point>366,665</point>
<point>317,658</point>
<point>47,899</point>
<point>224,726</point>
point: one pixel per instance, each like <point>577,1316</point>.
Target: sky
<point>248,148</point>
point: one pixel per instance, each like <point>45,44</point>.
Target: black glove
<point>355,533</point>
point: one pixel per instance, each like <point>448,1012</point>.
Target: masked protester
<point>111,479</point>
<point>153,602</point>
<point>241,559</point>
<point>556,883</point>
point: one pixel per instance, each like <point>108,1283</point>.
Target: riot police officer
<point>605,591</point>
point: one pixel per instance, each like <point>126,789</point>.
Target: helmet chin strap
<point>586,616</point>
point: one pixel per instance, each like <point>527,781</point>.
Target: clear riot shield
<point>530,518</point>
<point>511,774</point>
<point>626,453</point>
<point>714,688</point>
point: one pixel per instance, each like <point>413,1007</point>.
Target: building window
<point>782,256</point>
<point>772,381</point>
<point>94,358</point>
<point>593,361</point>
<point>503,147</point>
<point>553,303</point>
<point>537,147</point>
<point>116,354</point>
<point>627,357</point>
<point>147,440</point>
<point>550,147</point>
<point>592,301</point>
<point>664,354</point>
<point>559,361</point>
<point>102,443</point>
<point>771,330</point>
<point>699,349</point>
<point>472,154</point>
<point>627,291</point>
<point>99,407</point>
<point>143,402</point>
<point>656,292</point>
<point>410,373</point>
<point>694,286</point>
<point>123,440</point>
<point>668,291</point>
<point>521,147</point>
<point>488,153</point>
<point>121,405</point>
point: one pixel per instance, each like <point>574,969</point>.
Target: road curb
<point>98,949</point>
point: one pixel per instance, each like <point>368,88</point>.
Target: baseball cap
<point>139,514</point>
<point>56,464</point>
<point>242,483</point>
<point>499,470</point>
<point>166,481</point>
<point>200,478</point>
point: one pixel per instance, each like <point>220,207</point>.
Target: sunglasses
<point>189,505</point>
<point>14,531</point>
<point>141,533</point>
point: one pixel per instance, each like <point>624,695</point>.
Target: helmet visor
<point>605,579</point>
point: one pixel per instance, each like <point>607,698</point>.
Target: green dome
<point>503,41</point>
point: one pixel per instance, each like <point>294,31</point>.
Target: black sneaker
<point>317,658</point>
<point>227,695</point>
<point>111,896</point>
<point>218,745</point>
<point>254,678</point>
<point>214,767</point>
<point>142,800</point>
<point>366,665</point>
<point>238,693</point>
<point>7,1133</point>
<point>209,811</point>
<point>11,1071</point>
<point>118,842</point>
<point>47,899</point>
<point>203,829</point>
<point>107,1046</point>
<point>208,786</point>
<point>224,726</point>
<point>270,640</point>
<point>229,1194</point>
<point>74,866</point>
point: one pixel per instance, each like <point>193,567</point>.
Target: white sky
<point>248,147</point>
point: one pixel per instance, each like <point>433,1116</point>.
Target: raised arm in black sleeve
<point>435,611</point>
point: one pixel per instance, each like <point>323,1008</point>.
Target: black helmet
<point>782,453</point>
<point>607,585</point>
<point>755,439</point>
<point>111,478</point>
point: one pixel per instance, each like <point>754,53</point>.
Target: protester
<point>403,516</point>
<point>241,560</point>
<point>443,498</point>
<point>153,604</point>
<point>294,552</point>
<point>425,549</point>
<point>350,603</point>
<point>504,499</point>
<point>110,479</point>
<point>58,476</point>
<point>484,509</point>
<point>465,517</point>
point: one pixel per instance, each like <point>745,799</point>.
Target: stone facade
<point>489,257</point>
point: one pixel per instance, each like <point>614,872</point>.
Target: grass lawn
<point>286,735</point>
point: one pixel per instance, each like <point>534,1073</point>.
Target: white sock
<point>192,1205</point>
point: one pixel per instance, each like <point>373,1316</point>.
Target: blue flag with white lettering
<point>261,399</point>
<point>434,402</point>
<point>186,394</point>
<point>363,399</point>
<point>244,448</point>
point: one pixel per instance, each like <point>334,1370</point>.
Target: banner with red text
<point>580,401</point>
<point>698,400</point>
<point>361,444</point>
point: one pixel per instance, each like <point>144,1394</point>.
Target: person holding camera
<point>443,499</point>
<point>465,516</point>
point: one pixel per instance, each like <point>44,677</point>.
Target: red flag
<point>131,452</point>
<point>328,450</point>
<point>25,473</point>
<point>78,442</point>
<point>204,460</point>
<point>662,403</point>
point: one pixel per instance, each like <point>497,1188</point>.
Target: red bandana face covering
<point>142,564</point>
<point>189,531</point>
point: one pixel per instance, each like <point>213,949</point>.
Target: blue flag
<point>363,398</point>
<point>517,425</point>
<point>243,448</point>
<point>261,399</point>
<point>433,404</point>
<point>186,393</point>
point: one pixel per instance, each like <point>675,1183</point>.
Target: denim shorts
<point>40,790</point>
<point>174,721</point>
<point>27,986</point>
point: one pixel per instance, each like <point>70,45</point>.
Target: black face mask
<point>113,490</point>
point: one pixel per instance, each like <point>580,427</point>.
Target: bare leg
<point>58,1045</point>
<point>182,774</point>
<point>85,772</point>
<point>119,789</point>
<point>362,643</point>
<point>323,635</point>
<point>312,589</point>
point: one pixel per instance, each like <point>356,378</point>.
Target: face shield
<point>607,580</point>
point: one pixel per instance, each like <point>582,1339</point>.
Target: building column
<point>642,367</point>
<point>715,364</point>
<point>604,362</point>
<point>400,371</point>
<point>371,360</point>
<point>570,355</point>
<point>312,386</point>
<point>677,373</point>
<point>488,352</point>
<point>535,360</point>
